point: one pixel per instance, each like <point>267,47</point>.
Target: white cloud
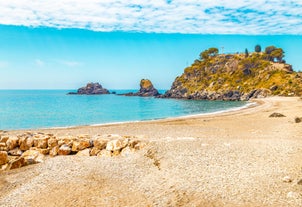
<point>173,16</point>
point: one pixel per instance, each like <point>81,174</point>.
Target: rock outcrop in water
<point>237,77</point>
<point>146,89</point>
<point>91,89</point>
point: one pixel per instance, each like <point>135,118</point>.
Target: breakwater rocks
<point>90,89</point>
<point>30,148</point>
<point>146,89</point>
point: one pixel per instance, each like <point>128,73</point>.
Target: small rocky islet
<point>91,89</point>
<point>146,89</point>
<point>230,77</point>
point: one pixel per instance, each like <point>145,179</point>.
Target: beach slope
<point>239,158</point>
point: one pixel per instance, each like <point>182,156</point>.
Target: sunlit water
<point>32,109</point>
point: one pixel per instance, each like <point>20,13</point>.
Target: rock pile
<point>30,148</point>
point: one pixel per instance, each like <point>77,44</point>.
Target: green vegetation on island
<point>238,76</point>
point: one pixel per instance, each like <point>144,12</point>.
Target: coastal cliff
<point>237,76</point>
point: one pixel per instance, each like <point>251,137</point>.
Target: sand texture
<point>238,158</point>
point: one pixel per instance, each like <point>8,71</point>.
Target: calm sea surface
<point>32,109</point>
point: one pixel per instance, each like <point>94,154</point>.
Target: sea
<point>35,109</point>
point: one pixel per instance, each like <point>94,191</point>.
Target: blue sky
<point>65,44</point>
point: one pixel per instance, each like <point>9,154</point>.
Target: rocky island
<point>146,89</point>
<point>91,89</point>
<point>237,76</point>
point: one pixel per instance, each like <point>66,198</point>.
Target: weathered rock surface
<point>41,142</point>
<point>64,150</point>
<point>116,145</point>
<point>79,145</point>
<point>32,157</point>
<point>85,152</point>
<point>26,143</point>
<point>91,89</point>
<point>3,157</point>
<point>16,163</point>
<point>12,143</point>
<point>146,89</point>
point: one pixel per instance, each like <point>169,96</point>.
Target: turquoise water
<point>32,109</point>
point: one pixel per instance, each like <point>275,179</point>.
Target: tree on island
<point>211,52</point>
<point>273,53</point>
<point>257,48</point>
<point>246,53</point>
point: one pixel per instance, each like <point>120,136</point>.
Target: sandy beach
<point>238,158</point>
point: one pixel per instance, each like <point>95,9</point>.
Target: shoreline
<point>237,158</point>
<point>249,104</point>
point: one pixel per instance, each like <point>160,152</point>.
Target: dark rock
<point>146,89</point>
<point>298,119</point>
<point>91,89</point>
<point>256,93</point>
<point>273,88</point>
<point>276,115</point>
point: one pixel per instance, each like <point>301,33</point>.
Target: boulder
<point>79,145</point>
<point>116,145</point>
<point>85,152</point>
<point>16,163</point>
<point>298,119</point>
<point>41,143</point>
<point>94,151</point>
<point>32,157</point>
<point>3,139</point>
<point>3,157</point>
<point>52,142</point>
<point>64,150</point>
<point>54,151</point>
<point>91,89</point>
<point>3,146</point>
<point>67,140</point>
<point>26,143</point>
<point>12,143</point>
<point>104,153</point>
<point>15,152</point>
<point>276,115</point>
<point>100,143</point>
